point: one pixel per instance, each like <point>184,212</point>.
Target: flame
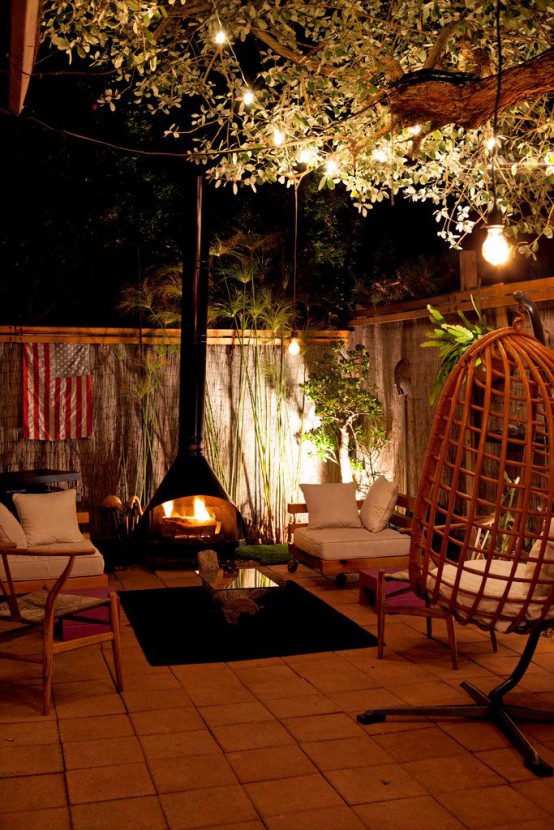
<point>200,513</point>
<point>167,507</point>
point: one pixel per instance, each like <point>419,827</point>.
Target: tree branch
<point>419,97</point>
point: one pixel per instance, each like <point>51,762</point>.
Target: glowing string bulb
<point>248,97</point>
<point>331,167</point>
<point>380,154</point>
<point>491,143</point>
<point>496,248</point>
<point>294,345</point>
<point>221,37</point>
<point>278,137</point>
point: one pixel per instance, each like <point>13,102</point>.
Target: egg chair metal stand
<point>491,452</point>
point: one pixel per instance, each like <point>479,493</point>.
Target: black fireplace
<point>190,510</point>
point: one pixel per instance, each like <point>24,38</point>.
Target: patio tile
<point>235,713</point>
<point>28,734</point>
<point>165,721</point>
<point>420,813</point>
<point>361,785</point>
<point>146,682</point>
<point>508,763</point>
<point>296,707</point>
<point>274,681</point>
<point>323,727</point>
<point>489,807</point>
<point>330,818</point>
<point>108,782</point>
<point>428,743</point>
<point>98,752</point>
<point>200,809</point>
<point>237,737</point>
<point>56,818</point>
<point>148,699</point>
<point>26,792</point>
<point>30,760</point>
<point>123,814</point>
<point>103,726</point>
<point>477,736</point>
<point>430,693</point>
<point>271,763</point>
<point>111,704</point>
<point>177,774</point>
<point>291,795</point>
<point>540,792</point>
<point>21,703</point>
<point>456,772</point>
<point>362,699</point>
<point>178,745</point>
<point>345,753</point>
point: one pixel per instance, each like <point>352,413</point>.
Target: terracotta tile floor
<point>270,743</point>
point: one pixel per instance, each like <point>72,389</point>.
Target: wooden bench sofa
<point>337,551</point>
<point>33,572</point>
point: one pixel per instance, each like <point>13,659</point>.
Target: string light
<point>379,154</point>
<point>220,37</point>
<point>496,248</point>
<point>278,137</point>
<point>331,167</point>
<point>248,97</point>
<point>307,155</point>
<point>294,345</point>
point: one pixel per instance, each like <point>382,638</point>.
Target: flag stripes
<point>57,392</point>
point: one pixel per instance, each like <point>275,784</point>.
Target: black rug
<point>185,625</point>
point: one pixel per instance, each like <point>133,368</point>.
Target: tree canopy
<point>385,96</point>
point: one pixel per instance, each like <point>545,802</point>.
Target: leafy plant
<point>452,340</point>
<point>351,429</point>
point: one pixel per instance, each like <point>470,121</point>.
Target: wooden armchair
<point>21,616</point>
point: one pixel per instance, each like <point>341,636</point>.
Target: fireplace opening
<point>195,519</point>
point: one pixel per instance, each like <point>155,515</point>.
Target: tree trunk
<point>344,456</point>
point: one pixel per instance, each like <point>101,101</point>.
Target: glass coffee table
<point>239,591</point>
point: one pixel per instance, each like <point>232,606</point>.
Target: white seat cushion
<point>495,588</point>
<point>50,567</point>
<point>351,543</point>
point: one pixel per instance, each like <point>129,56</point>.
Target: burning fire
<point>200,513</point>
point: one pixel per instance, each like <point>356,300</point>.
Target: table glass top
<point>241,579</point>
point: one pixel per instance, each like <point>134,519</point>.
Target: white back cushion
<point>10,529</point>
<point>379,504</point>
<point>48,518</point>
<point>331,505</point>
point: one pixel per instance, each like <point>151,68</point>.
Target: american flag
<point>57,391</point>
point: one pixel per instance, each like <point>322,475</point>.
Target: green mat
<point>264,554</point>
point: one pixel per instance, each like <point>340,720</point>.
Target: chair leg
<point>380,607</point>
<point>47,662</point>
<point>451,629</point>
<point>494,642</point>
<point>490,707</point>
<point>116,642</point>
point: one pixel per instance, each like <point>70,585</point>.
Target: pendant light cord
<point>496,101</point>
<point>295,253</point>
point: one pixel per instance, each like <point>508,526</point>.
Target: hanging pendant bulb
<point>294,345</point>
<point>496,248</point>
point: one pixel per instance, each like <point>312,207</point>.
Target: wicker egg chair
<point>491,452</point>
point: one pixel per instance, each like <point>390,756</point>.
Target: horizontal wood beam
<point>489,296</point>
<point>157,337</point>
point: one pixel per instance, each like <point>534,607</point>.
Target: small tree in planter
<point>351,430</point>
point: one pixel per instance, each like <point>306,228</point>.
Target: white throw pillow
<point>48,518</point>
<point>10,529</point>
<point>379,504</point>
<point>331,505</point>
<point>547,570</point>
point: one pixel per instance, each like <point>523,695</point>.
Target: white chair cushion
<point>10,529</point>
<point>48,518</point>
<point>495,587</point>
<point>379,504</point>
<point>547,569</point>
<point>331,505</point>
<point>50,567</point>
<point>351,543</point>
